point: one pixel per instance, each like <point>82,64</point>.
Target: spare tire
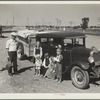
<point>20,51</point>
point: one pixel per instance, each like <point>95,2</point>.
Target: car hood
<point>81,52</point>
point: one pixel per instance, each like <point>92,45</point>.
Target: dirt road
<point>26,82</point>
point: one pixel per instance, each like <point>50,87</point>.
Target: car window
<point>43,39</point>
<point>51,39</point>
<point>67,41</point>
<point>79,41</point>
<point>76,41</point>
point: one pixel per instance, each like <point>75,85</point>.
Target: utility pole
<point>27,21</point>
<point>36,23</point>
<point>98,21</point>
<point>60,23</point>
<point>7,22</point>
<point>42,21</point>
<point>49,23</point>
<point>57,19</point>
<point>70,23</point>
<point>0,20</point>
<point>13,21</point>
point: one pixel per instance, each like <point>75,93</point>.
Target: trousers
<point>13,58</point>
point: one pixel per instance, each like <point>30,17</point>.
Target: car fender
<point>82,64</point>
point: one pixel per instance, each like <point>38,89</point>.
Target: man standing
<point>12,46</point>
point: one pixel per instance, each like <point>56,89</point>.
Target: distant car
<point>75,54</point>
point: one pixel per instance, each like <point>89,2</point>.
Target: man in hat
<point>12,46</point>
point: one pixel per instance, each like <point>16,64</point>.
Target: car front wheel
<point>79,77</point>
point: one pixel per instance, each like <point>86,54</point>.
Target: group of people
<point>48,65</point>
<point>45,64</point>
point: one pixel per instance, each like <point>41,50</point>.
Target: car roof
<point>60,34</point>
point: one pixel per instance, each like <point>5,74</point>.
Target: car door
<point>67,52</point>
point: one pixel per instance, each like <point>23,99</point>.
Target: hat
<point>14,34</point>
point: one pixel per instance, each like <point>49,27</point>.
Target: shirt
<point>46,62</point>
<point>12,45</point>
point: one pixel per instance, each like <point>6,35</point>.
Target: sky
<point>48,14</point>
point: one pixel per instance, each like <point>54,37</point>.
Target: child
<point>50,70</point>
<point>8,67</point>
<point>45,63</point>
<point>58,60</point>
<point>38,64</point>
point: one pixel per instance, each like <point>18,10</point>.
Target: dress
<point>38,63</point>
<point>50,70</point>
<point>59,66</point>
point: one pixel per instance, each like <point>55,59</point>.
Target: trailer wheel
<point>79,77</point>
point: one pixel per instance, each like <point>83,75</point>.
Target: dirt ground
<point>26,82</point>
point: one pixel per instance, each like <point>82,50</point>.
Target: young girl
<point>58,60</point>
<point>38,64</point>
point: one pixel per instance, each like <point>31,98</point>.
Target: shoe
<point>38,75</point>
<point>15,72</point>
<point>10,74</point>
<point>56,80</point>
<point>59,81</point>
<point>44,76</point>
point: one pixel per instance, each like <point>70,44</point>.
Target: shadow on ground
<point>94,81</point>
<point>3,36</point>
<point>24,69</point>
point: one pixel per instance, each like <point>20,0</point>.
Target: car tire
<point>79,77</point>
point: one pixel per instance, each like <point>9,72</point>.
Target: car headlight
<point>91,59</point>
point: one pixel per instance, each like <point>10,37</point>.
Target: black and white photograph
<point>50,48</point>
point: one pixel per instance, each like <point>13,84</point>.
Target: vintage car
<point>75,54</point>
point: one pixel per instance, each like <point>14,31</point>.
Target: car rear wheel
<point>79,77</point>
